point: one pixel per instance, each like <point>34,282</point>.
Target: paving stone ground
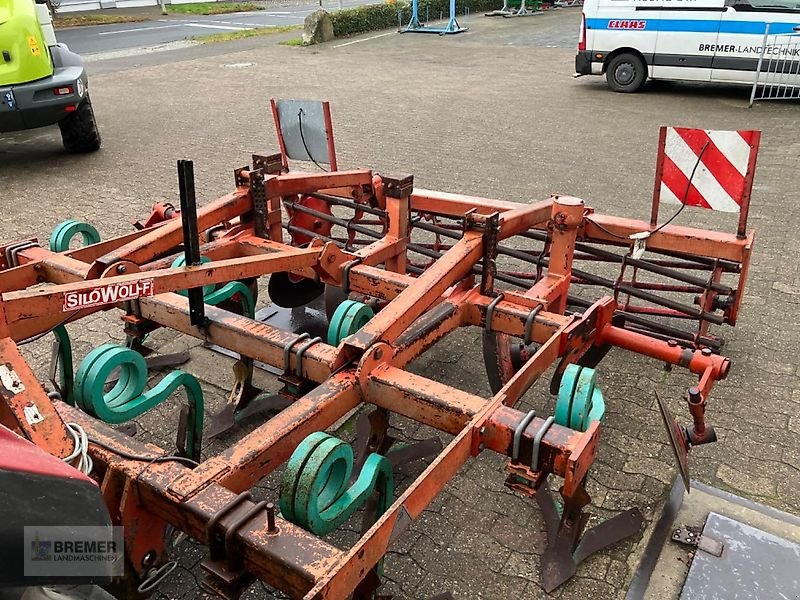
<point>494,113</point>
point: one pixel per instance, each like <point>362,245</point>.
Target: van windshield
<point>768,5</point>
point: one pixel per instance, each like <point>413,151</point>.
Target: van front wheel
<point>626,73</point>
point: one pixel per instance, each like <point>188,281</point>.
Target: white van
<point>694,40</point>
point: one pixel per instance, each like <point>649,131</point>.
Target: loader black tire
<point>79,129</point>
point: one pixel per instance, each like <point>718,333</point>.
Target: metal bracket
<point>259,195</point>
<point>208,234</point>
<point>490,235</point>
<point>473,220</point>
<point>216,541</point>
<point>238,179</point>
<point>225,574</point>
<point>271,164</point>
<point>690,537</point>
<point>398,187</point>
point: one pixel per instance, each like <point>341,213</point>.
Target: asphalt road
<point>493,112</point>
<point>109,38</point>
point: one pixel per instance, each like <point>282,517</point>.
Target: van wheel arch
<point>612,55</point>
<point>626,70</point>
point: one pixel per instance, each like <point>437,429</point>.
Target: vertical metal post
<point>744,208</point>
<point>191,242</point>
<point>662,142</point>
<point>326,114</point>
<point>758,67</point>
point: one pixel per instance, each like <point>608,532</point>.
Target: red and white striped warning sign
<point>706,168</point>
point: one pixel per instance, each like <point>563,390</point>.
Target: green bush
<point>349,21</point>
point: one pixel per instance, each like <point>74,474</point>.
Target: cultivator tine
<point>409,453</point>
<point>558,566</point>
<point>371,436</point>
<point>240,398</point>
<point>544,498</point>
<point>678,441</point>
<point>608,533</point>
<point>234,416</point>
<point>498,359</point>
<point>222,421</point>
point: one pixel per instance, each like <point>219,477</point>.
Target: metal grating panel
<point>754,564</point>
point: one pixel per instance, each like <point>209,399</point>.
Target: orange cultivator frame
<point>245,235</point>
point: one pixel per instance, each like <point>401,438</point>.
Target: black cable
<point>680,208</point>
<point>686,193</point>
<point>303,138</point>
<point>149,459</point>
<point>611,233</point>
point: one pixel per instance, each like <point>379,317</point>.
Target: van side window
<point>772,6</point>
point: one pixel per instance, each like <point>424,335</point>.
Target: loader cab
<point>24,51</point>
<point>42,83</point>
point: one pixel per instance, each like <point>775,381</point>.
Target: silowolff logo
<point>109,294</point>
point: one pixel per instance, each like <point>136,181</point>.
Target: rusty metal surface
<point>415,308</point>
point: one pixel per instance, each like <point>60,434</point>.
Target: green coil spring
<point>348,318</point>
<point>60,239</point>
<point>64,233</point>
<point>64,361</point>
<point>314,492</point>
<point>580,401</point>
<point>226,292</point>
<point>127,399</point>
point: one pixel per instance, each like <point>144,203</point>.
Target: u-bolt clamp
<point>298,366</point>
<point>537,442</point>
<point>287,350</point>
<point>346,274</point>
<point>12,252</point>
<point>209,233</point>
<point>490,311</point>
<point>521,427</point>
<point>529,323</point>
